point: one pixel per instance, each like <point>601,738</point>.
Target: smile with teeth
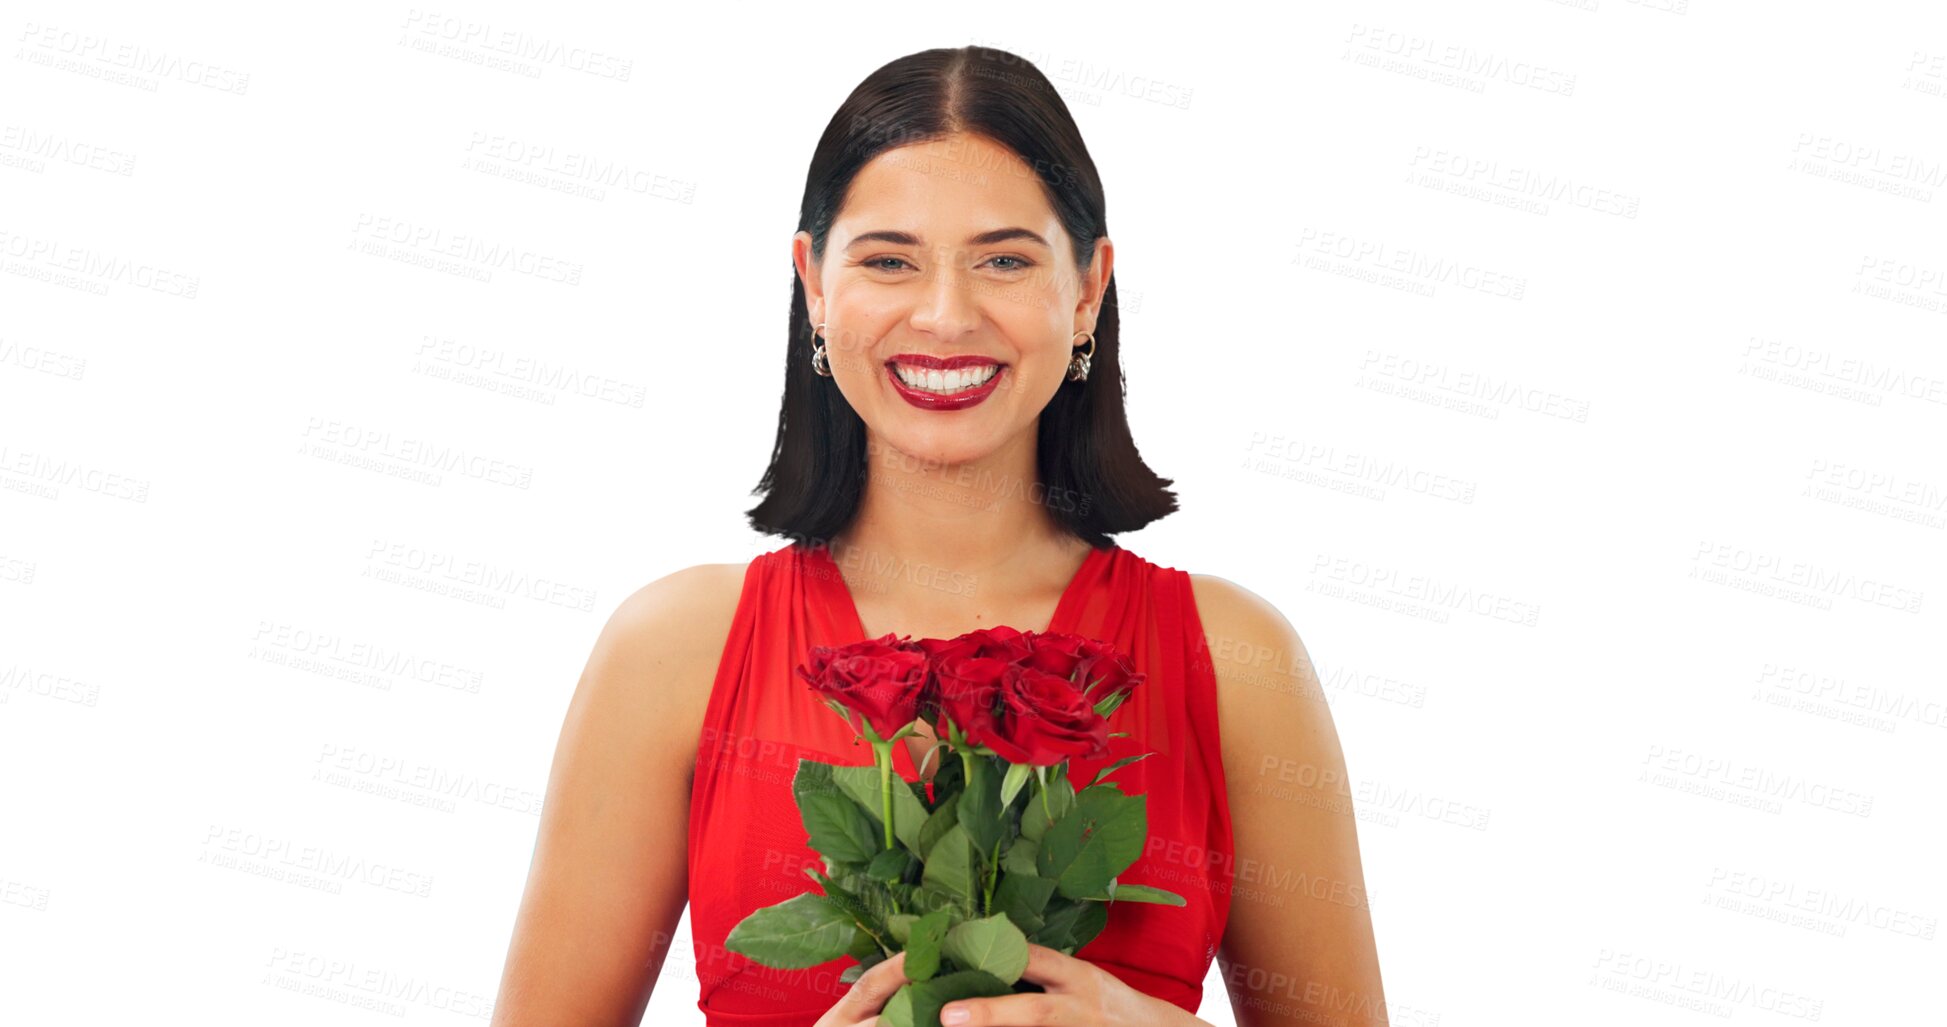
<point>932,379</point>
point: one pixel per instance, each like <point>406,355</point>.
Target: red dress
<point>747,846</point>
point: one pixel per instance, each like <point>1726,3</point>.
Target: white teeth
<point>946,382</point>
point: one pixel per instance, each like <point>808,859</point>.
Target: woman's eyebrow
<point>986,238</point>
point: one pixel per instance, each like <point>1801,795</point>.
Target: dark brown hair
<point>1091,478</point>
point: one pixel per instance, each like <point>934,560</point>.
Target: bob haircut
<point>1090,477</point>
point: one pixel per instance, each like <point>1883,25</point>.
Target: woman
<point>952,454</point>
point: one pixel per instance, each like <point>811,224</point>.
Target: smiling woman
<point>952,454</point>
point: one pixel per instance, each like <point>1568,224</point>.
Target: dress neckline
<point>839,594</point>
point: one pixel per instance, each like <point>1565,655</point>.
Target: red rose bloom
<point>882,680</point>
<point>966,689</point>
<point>1105,673</point>
<point>1045,719</point>
<point>1025,715</point>
<point>1058,652</point>
<point>1000,642</point>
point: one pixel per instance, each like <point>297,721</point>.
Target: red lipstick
<point>944,401</point>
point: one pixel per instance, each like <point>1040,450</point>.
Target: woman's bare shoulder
<point>1291,797</point>
<point>1234,616</point>
<point>683,609</point>
<point>608,875</point>
<point>1265,676</point>
<point>656,657</point>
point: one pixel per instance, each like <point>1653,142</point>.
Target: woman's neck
<point>967,544</point>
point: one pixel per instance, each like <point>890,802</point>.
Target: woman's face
<point>950,298</point>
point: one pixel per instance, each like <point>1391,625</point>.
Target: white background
<point>1570,375</point>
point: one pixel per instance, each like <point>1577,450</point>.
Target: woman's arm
<point>609,876</point>
<point>1299,946</point>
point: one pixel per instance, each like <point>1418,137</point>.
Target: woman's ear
<point>814,293</point>
<point>1095,284</point>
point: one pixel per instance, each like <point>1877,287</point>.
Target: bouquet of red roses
<point>1003,851</point>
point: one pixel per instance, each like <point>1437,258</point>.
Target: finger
<point>870,992</point>
<point>1025,1009</point>
<point>1049,967</point>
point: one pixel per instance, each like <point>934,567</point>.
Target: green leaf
<point>1057,930</point>
<point>838,829</point>
<point>865,947</point>
<point>830,818</point>
<point>800,932</point>
<point>1113,767</point>
<point>922,1006</point>
<point>1084,850</point>
<point>898,1010</point>
<point>927,898</point>
<point>889,864</point>
<point>865,962</point>
<point>1071,924</point>
<point>877,896</point>
<point>1016,779</point>
<point>923,946</point>
<point>1144,893</point>
<point>942,819</point>
<point>950,779</point>
<point>1019,857</point>
<point>1034,822</point>
<point>1110,703</point>
<point>1061,799</point>
<point>836,707</point>
<point>1089,921</point>
<point>812,777</point>
<point>950,867</point>
<point>849,903</point>
<point>992,944</point>
<point>980,805</point>
<point>899,925</point>
<point>908,813</point>
<point>1022,897</point>
<point>901,895</point>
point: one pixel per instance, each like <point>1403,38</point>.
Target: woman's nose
<point>949,303</point>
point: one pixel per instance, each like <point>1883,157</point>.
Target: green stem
<point>884,752</point>
<point>993,874</point>
<point>987,893</point>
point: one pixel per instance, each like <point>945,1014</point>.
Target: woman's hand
<point>869,994</point>
<point>1077,994</point>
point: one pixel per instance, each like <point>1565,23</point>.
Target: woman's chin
<point>930,450</point>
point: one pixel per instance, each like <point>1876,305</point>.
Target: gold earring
<point>1078,365</point>
<point>820,362</point>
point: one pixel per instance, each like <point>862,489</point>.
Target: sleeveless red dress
<point>748,848</point>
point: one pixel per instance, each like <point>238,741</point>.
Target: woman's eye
<point>898,263</point>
